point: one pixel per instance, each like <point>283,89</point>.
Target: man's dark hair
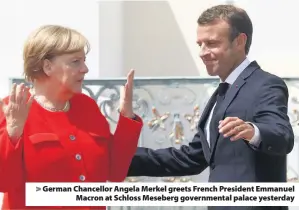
<point>237,18</point>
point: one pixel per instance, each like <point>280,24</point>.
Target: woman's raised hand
<point>17,109</point>
<point>126,96</point>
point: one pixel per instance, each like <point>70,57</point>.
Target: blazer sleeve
<point>271,118</point>
<point>11,170</point>
<point>188,160</point>
<point>123,146</point>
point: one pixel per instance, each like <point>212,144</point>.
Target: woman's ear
<point>47,67</point>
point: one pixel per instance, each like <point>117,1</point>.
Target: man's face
<point>217,51</point>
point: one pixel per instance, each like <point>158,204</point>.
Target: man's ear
<point>241,41</point>
<point>47,67</point>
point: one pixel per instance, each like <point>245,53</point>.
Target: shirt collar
<point>237,71</point>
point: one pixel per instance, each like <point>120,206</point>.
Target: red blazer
<point>76,146</point>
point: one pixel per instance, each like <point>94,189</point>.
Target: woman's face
<point>67,71</point>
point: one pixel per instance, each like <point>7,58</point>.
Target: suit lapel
<point>205,145</point>
<point>207,110</point>
<point>231,94</point>
<point>202,123</point>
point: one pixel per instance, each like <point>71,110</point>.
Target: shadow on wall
<point>153,42</point>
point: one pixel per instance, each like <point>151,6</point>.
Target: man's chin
<point>212,73</point>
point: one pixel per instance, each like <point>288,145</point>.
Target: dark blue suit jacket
<point>256,96</point>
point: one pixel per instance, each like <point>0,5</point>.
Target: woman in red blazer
<point>54,133</point>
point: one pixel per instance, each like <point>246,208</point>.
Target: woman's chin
<point>77,88</point>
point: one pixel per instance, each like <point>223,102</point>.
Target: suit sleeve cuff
<point>256,139</point>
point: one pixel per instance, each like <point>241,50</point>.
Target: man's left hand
<point>236,128</point>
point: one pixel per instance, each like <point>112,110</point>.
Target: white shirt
<point>255,141</point>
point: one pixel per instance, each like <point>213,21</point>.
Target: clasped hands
<point>236,128</point>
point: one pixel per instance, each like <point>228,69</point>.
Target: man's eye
<point>211,43</point>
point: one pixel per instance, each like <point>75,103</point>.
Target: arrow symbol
<point>38,189</point>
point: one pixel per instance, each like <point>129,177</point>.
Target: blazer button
<point>72,137</point>
<point>78,156</point>
<point>269,148</point>
<point>82,177</point>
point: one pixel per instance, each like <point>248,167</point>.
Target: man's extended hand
<point>236,128</point>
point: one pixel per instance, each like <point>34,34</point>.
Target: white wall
<point>18,18</point>
<point>274,39</point>
<point>275,34</point>
<point>160,51</point>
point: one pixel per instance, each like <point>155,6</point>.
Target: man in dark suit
<point>244,134</point>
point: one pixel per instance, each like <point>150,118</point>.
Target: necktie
<point>222,88</point>
<point>214,131</point>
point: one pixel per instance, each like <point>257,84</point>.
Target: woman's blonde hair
<point>47,42</point>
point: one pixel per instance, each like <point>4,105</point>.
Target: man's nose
<point>203,51</point>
